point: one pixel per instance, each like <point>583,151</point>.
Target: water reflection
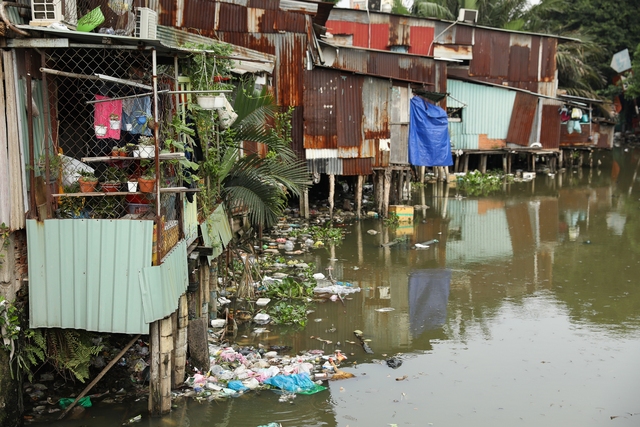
<point>428,297</point>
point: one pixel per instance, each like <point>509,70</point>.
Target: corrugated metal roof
<point>162,285</point>
<point>178,38</point>
<point>327,153</point>
<point>390,65</point>
<point>487,111</point>
<point>84,274</point>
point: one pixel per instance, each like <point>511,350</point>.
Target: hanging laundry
<point>585,118</point>
<point>135,112</point>
<point>576,114</point>
<point>564,115</point>
<point>574,126</point>
<point>107,118</point>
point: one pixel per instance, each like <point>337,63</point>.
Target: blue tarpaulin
<point>429,143</point>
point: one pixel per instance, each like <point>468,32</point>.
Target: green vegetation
<point>478,184</point>
<point>392,220</point>
<point>288,313</point>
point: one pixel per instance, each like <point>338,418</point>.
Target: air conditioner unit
<point>45,12</point>
<point>468,15</point>
<point>146,23</point>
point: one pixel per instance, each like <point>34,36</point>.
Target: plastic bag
<point>237,386</point>
<point>85,402</point>
<point>295,383</point>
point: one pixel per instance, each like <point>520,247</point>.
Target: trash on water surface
<point>385,309</point>
<point>135,419</point>
<point>85,402</point>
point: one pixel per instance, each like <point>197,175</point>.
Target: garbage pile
<point>234,371</point>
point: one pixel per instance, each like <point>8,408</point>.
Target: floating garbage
<point>385,309</point>
<point>135,419</point>
<point>261,302</point>
<point>262,318</point>
<point>85,402</point>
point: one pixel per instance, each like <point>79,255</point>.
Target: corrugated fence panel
<point>550,129</point>
<point>524,110</point>
<point>162,285</point>
<point>480,99</point>
<point>83,274</point>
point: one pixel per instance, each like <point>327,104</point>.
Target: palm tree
<point>259,185</point>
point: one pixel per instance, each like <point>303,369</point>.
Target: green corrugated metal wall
<point>488,111</point>
<point>163,285</point>
<point>84,274</point>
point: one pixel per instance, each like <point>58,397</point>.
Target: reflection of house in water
<point>428,298</point>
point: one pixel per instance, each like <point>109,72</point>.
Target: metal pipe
<point>7,21</point>
<point>32,174</point>
<point>140,95</point>
<point>109,46</point>
<point>66,74</point>
<point>123,81</point>
<point>156,135</point>
<point>198,91</point>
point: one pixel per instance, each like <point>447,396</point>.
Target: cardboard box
<point>404,212</point>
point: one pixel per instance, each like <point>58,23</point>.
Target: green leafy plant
<point>478,184</point>
<point>287,313</point>
<point>114,175</point>
<point>87,176</point>
<point>4,241</point>
<point>326,234</point>
<point>393,220</point>
<point>291,289</point>
<point>71,207</point>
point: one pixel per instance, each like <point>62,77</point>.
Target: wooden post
<point>166,350</point>
<point>204,287</point>
<point>509,162</point>
<point>466,163</point>
<point>581,159</point>
<point>379,179</point>
<point>332,190</point>
<point>533,162</point>
<point>456,165</point>
<point>359,196</point>
<point>483,163</point>
<point>445,174</point>
<point>400,186</point>
<point>305,203</point>
<point>422,173</point>
<point>155,398</point>
<point>385,197</point>
<point>504,163</point>
<point>180,341</point>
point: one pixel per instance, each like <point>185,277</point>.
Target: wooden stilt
<point>359,196</point>
<point>400,186</point>
<point>581,159</point>
<point>466,163</point>
<point>385,196</point>
<point>509,162</point>
<point>504,163</point>
<point>155,397</point>
<point>445,174</point>
<point>456,164</point>
<point>305,203</point>
<point>379,178</point>
<point>166,351</point>
<point>422,173</point>
<point>533,162</point>
<point>332,191</point>
<point>180,341</point>
<point>483,163</point>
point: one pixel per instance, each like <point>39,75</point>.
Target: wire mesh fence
<point>100,119</point>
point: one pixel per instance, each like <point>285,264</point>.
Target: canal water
<point>525,313</point>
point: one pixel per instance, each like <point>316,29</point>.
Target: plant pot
<point>218,79</point>
<point>87,186</point>
<point>115,153</point>
<point>132,186</point>
<point>146,185</point>
<point>146,151</point>
<point>110,187</point>
<point>210,102</point>
<point>100,130</point>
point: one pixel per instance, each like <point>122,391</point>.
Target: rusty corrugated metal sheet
<point>320,108</point>
<point>605,135</point>
<point>548,60</point>
<point>524,110</point>
<point>376,113</point>
<point>519,64</point>
<point>349,111</point>
<point>399,33</point>
<point>420,39</point>
<point>464,35</point>
<point>293,22</point>
<point>550,129</point>
<point>357,166</point>
<point>576,139</point>
<point>263,4</point>
<point>400,66</point>
<point>482,50</point>
<point>232,17</point>
<point>297,131</point>
<point>534,59</point>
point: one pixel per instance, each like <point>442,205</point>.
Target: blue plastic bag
<point>295,383</point>
<point>237,385</point>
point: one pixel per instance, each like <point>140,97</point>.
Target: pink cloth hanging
<point>105,126</point>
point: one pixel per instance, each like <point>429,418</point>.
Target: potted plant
<point>146,147</point>
<point>87,181</point>
<point>208,72</point>
<point>147,182</point>
<point>115,152</point>
<point>122,152</point>
<point>114,121</point>
<point>114,177</point>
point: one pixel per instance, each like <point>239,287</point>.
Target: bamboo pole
<point>332,189</point>
<point>100,375</point>
<point>359,196</point>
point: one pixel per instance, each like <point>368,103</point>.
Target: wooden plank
<point>5,198</point>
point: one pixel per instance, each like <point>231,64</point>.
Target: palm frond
<point>427,9</point>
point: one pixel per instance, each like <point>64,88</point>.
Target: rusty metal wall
<point>357,166</point>
<point>349,112</point>
<point>319,108</point>
<point>375,108</point>
<point>577,139</point>
<point>548,59</point>
<point>550,129</point>
<point>524,111</point>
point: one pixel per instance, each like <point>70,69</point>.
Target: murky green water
<point>527,313</point>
